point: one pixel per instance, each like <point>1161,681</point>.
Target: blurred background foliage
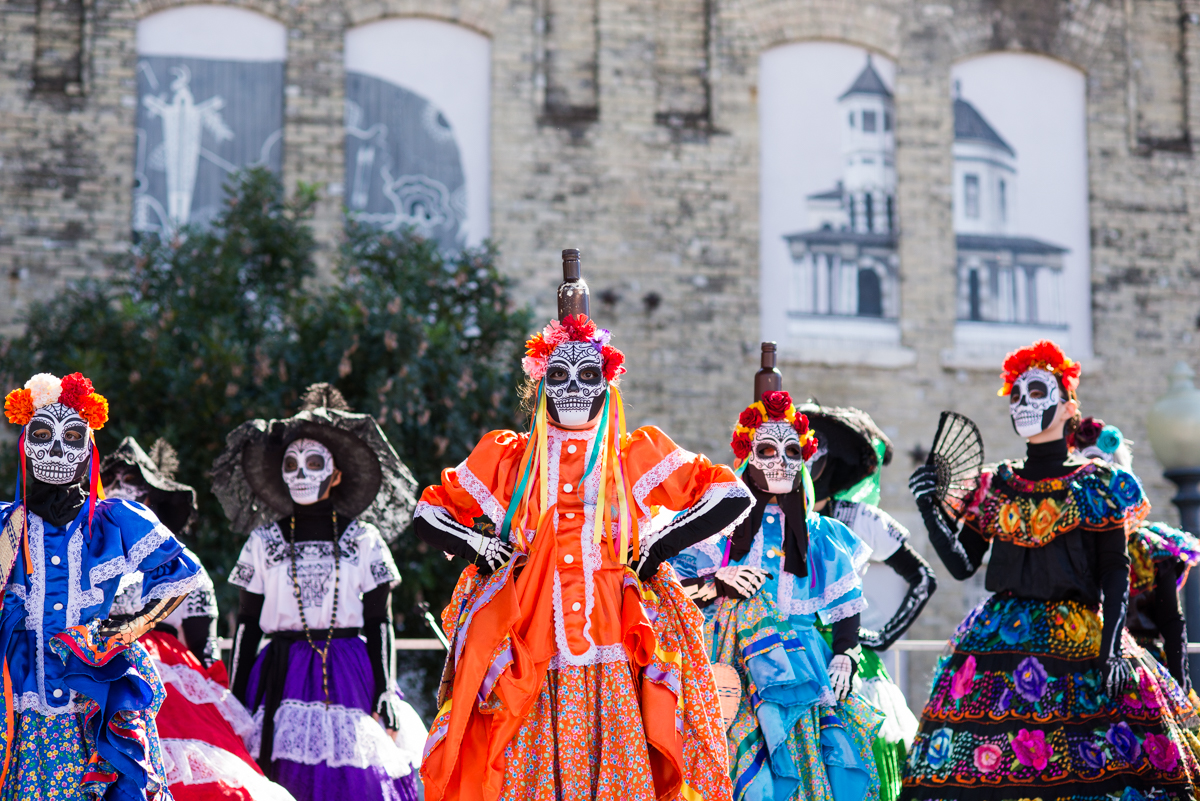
<point>190,337</point>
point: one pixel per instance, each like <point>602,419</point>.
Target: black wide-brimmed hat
<point>172,502</point>
<point>376,486</point>
<point>849,436</point>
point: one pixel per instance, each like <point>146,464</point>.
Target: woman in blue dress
<point>79,693</point>
<point>798,732</point>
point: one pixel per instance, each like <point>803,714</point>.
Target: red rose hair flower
<point>614,362</point>
<point>776,404</point>
<point>74,389</point>
<point>741,444</point>
<point>572,328</point>
<point>1045,355</point>
<point>751,417</point>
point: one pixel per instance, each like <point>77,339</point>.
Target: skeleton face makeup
<point>575,384</point>
<point>57,445</point>
<point>1033,401</point>
<point>777,454</point>
<point>126,486</point>
<point>307,470</point>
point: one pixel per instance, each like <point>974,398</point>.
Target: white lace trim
<point>30,702</point>
<point>190,762</point>
<point>199,689</point>
<point>120,565</point>
<point>832,592</point>
<point>843,611</point>
<point>600,655</point>
<point>714,550</point>
<point>658,474</point>
<point>312,733</point>
<point>479,491</point>
<point>18,590</point>
<point>174,589</point>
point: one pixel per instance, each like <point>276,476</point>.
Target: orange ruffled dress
<point>569,678</point>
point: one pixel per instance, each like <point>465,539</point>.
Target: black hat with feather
<point>130,472</point>
<point>846,452</point>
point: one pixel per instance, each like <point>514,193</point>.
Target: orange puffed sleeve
<point>483,484</point>
<point>668,476</point>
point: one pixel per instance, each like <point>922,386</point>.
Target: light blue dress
<point>791,738</point>
<point>76,569</point>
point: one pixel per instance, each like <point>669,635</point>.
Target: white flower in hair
<point>44,389</point>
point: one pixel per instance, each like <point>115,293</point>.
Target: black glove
<point>439,529</point>
<point>697,523</point>
<point>1112,563</point>
<point>1169,618</point>
<point>961,552</point>
<point>246,637</point>
<point>909,565</point>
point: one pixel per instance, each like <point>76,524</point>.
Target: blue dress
<point>76,570</point>
<point>791,738</point>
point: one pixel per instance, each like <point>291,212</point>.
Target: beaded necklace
<point>323,653</point>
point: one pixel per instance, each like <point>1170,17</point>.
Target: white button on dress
<point>566,487</point>
<point>575,607</point>
<point>770,518</point>
<point>58,693</point>
<point>569,558</point>
<point>58,607</point>
<point>571,449</point>
<point>570,515</point>
<point>54,560</point>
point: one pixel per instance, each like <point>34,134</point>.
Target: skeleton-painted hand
<point>739,581</point>
<point>701,592</point>
<point>128,628</point>
<point>841,676</point>
<point>923,481</point>
<point>1117,674</point>
<point>493,552</point>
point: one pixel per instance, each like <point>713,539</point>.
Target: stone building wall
<point>630,130</point>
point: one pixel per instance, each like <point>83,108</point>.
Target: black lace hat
<point>172,502</point>
<point>848,435</point>
<point>376,487</point>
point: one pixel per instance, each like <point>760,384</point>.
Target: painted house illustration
<point>846,263</point>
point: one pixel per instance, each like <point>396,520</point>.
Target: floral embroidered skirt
<point>1018,710</point>
<point>789,740</point>
<point>49,759</point>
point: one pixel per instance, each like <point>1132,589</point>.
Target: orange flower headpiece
<point>43,389</point>
<point>1046,355</point>
<point>573,328</point>
<point>776,407</point>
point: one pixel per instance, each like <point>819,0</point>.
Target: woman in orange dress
<point>578,668</point>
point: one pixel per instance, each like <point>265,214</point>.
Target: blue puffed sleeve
<point>833,587</point>
<point>125,538</point>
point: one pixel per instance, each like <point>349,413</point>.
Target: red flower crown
<point>74,392</point>
<point>776,407</point>
<point>573,328</point>
<point>1046,355</point>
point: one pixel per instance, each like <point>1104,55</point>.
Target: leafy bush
<point>193,335</point>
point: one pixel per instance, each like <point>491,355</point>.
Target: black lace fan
<point>957,455</point>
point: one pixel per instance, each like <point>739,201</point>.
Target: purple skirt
<point>335,750</point>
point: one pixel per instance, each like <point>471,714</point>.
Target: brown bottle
<point>573,293</point>
<point>768,379</point>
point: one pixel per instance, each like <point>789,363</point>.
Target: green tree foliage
<point>193,335</point>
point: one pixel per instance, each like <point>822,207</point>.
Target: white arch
<point>450,66</point>
<point>212,31</point>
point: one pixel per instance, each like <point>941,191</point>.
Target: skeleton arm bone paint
<point>909,565</point>
<point>962,551</point>
<point>438,528</point>
<point>127,628</point>
<point>246,638</point>
<point>715,511</point>
<point>731,581</point>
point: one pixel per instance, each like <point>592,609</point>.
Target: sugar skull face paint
<point>307,470</point>
<point>56,445</point>
<point>575,384</point>
<point>1033,401</point>
<point>778,456</point>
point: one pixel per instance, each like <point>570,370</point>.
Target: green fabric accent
<point>867,490</point>
<point>889,761</point>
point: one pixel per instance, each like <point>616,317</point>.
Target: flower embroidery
<point>1044,518</point>
<point>1031,749</point>
<point>1030,679</point>
<point>987,758</point>
<point>939,748</point>
<point>1124,741</point>
<point>964,679</point>
<point>1010,518</point>
<point>1005,700</point>
<point>1125,488</point>
<point>1149,691</point>
<point>1163,753</point>
<point>1092,755</point>
<point>1016,627</point>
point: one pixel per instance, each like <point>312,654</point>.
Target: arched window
<point>1020,205</point>
<point>417,128</point>
<point>210,101</point>
<point>828,186</point>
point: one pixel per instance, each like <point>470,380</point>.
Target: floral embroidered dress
<point>68,744</point>
<point>791,739</point>
<point>1159,560</point>
<point>568,677</point>
<point>1018,708</point>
